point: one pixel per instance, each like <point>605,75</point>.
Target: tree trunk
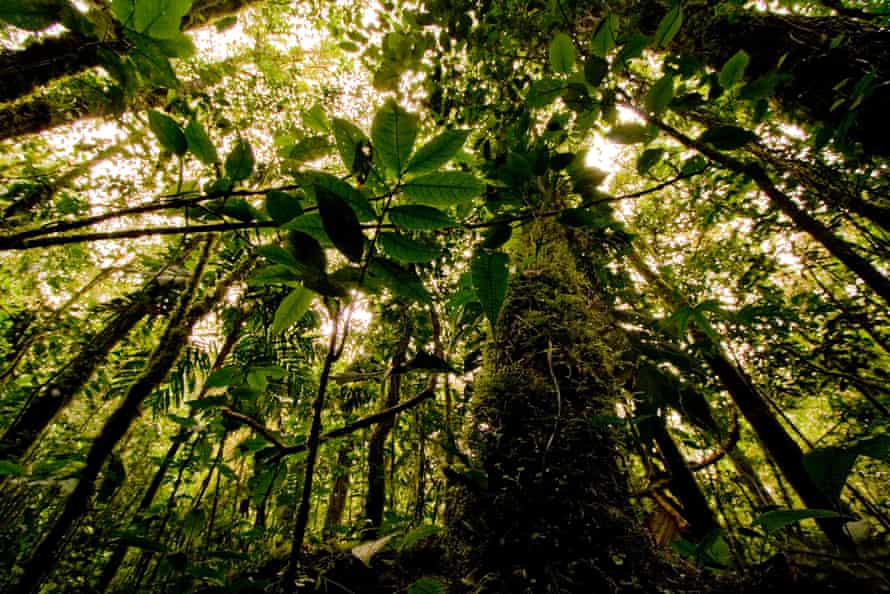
<point>339,492</point>
<point>52,58</point>
<point>545,506</point>
<point>376,496</point>
<point>40,410</point>
<point>776,441</point>
<point>45,556</point>
<point>682,484</point>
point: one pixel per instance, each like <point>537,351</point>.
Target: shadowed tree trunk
<point>376,496</point>
<point>339,492</point>
<point>545,507</point>
<point>71,53</point>
<point>40,410</point>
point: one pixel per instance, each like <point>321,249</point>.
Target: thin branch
<point>286,450</point>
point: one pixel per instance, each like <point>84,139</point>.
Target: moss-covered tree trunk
<point>545,506</point>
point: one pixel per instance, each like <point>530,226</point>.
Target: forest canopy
<point>444,296</point>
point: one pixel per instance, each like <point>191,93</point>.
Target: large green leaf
<point>282,206</point>
<point>308,149</point>
<point>562,54</point>
<point>199,143</point>
<point>239,163</point>
<point>310,224</point>
<point>359,203</point>
<point>437,152</point>
<point>307,251</point>
<point>393,133</point>
<point>543,92</point>
<point>420,218</point>
<point>291,309</point>
<point>669,26</point>
<point>727,138</point>
<point>168,132</point>
<point>490,275</point>
<point>443,188</point>
<point>427,585</point>
<point>780,518</point>
<point>400,280</point>
<point>733,70</point>
<point>660,95</point>
<point>830,466</point>
<point>648,159</point>
<point>159,18</point>
<point>152,61</point>
<point>340,223</point>
<point>32,15</point>
<point>405,249</point>
<point>349,137</point>
<point>603,40</point>
<point>595,70</point>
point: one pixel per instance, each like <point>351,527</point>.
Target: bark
<point>376,495</point>
<point>804,45</point>
<point>71,53</point>
<point>544,507</point>
<point>41,410</point>
<point>339,492</point>
<point>45,556</point>
<point>696,509</point>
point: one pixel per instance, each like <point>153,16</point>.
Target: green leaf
<point>562,54</point>
<point>278,255</point>
<point>178,46</point>
<point>543,92</point>
<point>427,585</point>
<point>291,309</point>
<point>648,159</point>
<point>239,163</point>
<point>727,138</point>
<point>160,18</point>
<point>199,143</point>
<point>392,135</point>
<point>405,249</point>
<point>629,133</point>
<point>604,35</point>
<point>780,518</point>
<point>340,223</point>
<point>282,206</point>
<point>437,152</point>
<point>401,281</point>
<point>31,15</point>
<point>131,539</point>
<point>490,275</point>
<point>669,26</point>
<point>660,95</point>
<point>168,132</point>
<point>733,71</point>
<point>443,188</point>
<point>276,274</point>
<point>595,70</point>
<point>348,137</point>
<point>316,119</point>
<point>223,377</point>
<point>420,218</point>
<point>11,468</point>
<point>497,236</point>
<point>307,251</point>
<point>308,149</point>
<point>359,203</point>
<point>420,532</point>
<point>310,224</point>
<point>830,466</point>
<point>152,62</point>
